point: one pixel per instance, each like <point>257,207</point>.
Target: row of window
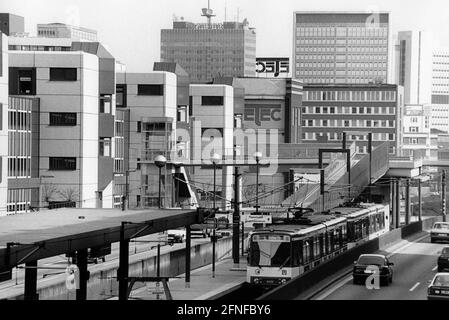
<point>344,41</point>
<point>320,95</point>
<point>18,201</point>
<point>340,123</point>
<point>349,110</point>
<point>368,49</point>
<point>341,31</point>
<point>337,136</point>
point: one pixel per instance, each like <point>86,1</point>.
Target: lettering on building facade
<point>273,65</point>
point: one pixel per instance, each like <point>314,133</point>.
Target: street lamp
<point>257,156</point>
<point>160,161</point>
<point>215,158</point>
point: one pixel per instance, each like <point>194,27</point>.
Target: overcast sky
<point>131,28</point>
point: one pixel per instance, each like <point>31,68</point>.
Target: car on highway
<point>439,232</point>
<point>443,259</point>
<point>439,287</point>
<point>366,265</point>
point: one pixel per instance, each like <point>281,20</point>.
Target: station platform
<point>203,286</point>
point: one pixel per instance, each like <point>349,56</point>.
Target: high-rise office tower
<point>440,89</point>
<point>210,50</point>
<point>341,48</point>
<point>413,66</point>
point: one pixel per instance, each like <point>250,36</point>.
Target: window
<point>105,104</point>
<point>25,82</point>
<point>212,100</point>
<point>105,147</point>
<point>150,89</point>
<point>62,163</point>
<point>63,74</point>
<point>121,96</point>
<point>62,119</point>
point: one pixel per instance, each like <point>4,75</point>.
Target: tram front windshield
<point>270,251</point>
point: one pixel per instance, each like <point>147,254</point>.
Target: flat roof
<point>66,230</point>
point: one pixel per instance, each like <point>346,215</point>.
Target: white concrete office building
<point>3,122</point>
<point>76,144</point>
<point>151,101</point>
<point>213,121</point>
<point>440,90</point>
<point>413,66</point>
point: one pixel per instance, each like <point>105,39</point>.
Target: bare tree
<point>69,194</point>
<point>48,191</point>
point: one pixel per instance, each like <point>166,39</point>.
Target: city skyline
<point>116,22</point>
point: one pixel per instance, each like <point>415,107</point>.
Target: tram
<point>290,247</point>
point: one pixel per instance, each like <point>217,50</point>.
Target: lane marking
<point>344,281</point>
<point>435,268</point>
<point>415,286</point>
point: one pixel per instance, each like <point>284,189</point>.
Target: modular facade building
<point>76,125</point>
<point>330,110</point>
<point>341,47</point>
<point>440,89</point>
<point>3,122</point>
<point>207,51</point>
<point>212,132</point>
<point>151,99</point>
<point>419,140</point>
<point>62,30</point>
<point>413,66</point>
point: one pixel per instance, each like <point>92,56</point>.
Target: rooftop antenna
<point>208,13</point>
<point>225,10</point>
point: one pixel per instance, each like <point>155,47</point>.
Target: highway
<point>415,263</point>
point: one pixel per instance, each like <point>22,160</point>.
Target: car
<point>439,287</point>
<point>175,236</point>
<point>443,259</point>
<point>361,271</point>
<point>439,232</point>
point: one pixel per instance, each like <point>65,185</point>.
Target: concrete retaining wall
<point>306,281</point>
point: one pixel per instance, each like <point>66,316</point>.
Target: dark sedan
<point>439,287</point>
<point>443,260</point>
<point>367,264</point>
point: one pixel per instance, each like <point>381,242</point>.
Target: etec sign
<point>264,113</point>
<point>273,65</point>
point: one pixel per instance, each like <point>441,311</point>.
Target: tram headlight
<point>284,272</point>
<point>257,271</point>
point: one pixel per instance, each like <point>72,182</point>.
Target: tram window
<point>337,238</point>
<point>306,252</point>
<point>344,234</point>
<point>316,247</point>
<point>296,253</point>
<point>331,241</point>
<point>321,239</point>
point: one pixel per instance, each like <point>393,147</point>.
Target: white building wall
<point>215,117</point>
<point>80,141</point>
<point>4,124</point>
<point>440,87</point>
<point>142,108</point>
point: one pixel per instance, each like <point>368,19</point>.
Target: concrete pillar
<point>419,201</point>
<point>187,256</point>
<point>236,217</point>
<point>398,203</point>
<point>393,203</point>
<point>81,262</point>
<point>122,272</point>
<point>31,281</point>
<point>407,202</point>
